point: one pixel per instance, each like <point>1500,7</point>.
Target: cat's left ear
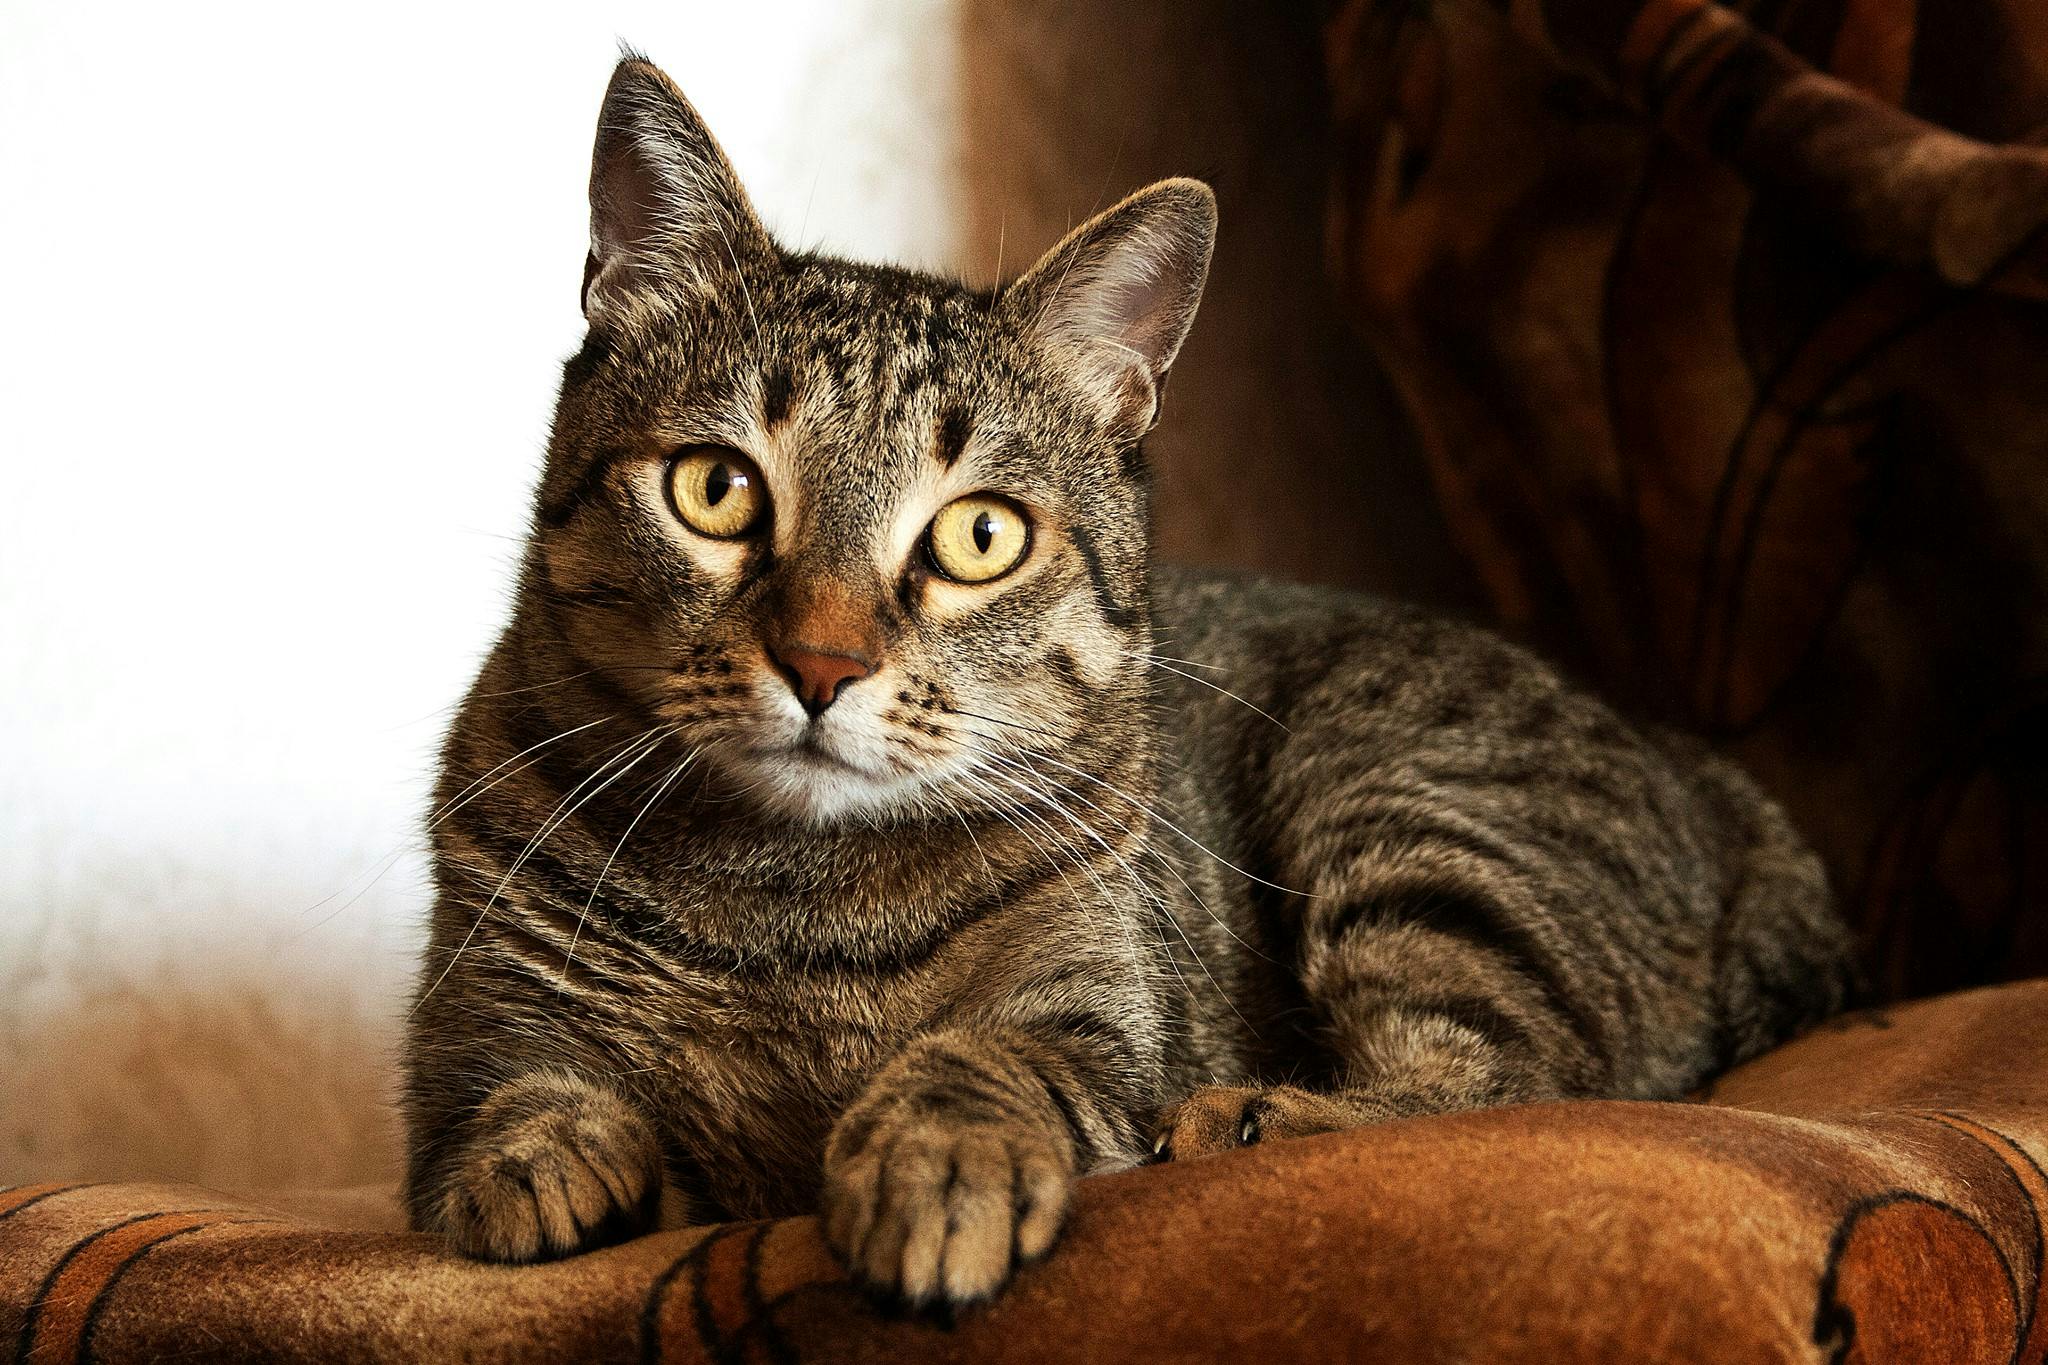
<point>667,212</point>
<point>1114,300</point>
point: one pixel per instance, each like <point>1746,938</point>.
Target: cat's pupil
<point>984,532</point>
<point>717,484</point>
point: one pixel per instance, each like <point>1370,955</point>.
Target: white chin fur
<point>818,790</point>
<point>851,779</point>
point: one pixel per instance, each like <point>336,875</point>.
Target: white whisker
<point>1120,792</point>
<point>1138,881</point>
<point>1159,663</point>
<point>466,795</point>
<point>1193,894</point>
<point>645,744</point>
<point>605,871</point>
<point>1168,658</point>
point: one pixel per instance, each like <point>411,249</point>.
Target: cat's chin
<point>805,782</point>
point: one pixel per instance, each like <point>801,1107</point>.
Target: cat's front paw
<point>1222,1118</point>
<point>935,1212</point>
<point>558,1165</point>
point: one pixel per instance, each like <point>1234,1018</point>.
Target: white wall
<point>283,295</point>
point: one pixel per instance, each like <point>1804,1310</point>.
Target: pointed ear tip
<point>1184,186</point>
<point>636,70</point>
<point>1185,196</point>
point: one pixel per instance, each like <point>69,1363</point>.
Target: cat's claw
<point>1222,1118</point>
<point>934,1214</point>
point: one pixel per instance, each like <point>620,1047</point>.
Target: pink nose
<point>817,677</point>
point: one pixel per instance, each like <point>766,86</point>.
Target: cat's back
<point>1226,608</point>
<point>1286,694</point>
<point>1309,724</point>
<point>1245,660</point>
<point>1302,712</point>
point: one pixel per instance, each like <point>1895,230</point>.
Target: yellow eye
<point>978,538</point>
<point>717,491</point>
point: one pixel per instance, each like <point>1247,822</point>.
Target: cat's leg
<point>550,1164</point>
<point>1436,993</point>
<point>1448,975</point>
<point>955,1165</point>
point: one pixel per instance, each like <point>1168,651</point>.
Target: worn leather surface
<point>1872,1192</point>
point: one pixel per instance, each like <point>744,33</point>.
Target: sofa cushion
<point>1871,1192</point>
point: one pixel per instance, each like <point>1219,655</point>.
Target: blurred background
<point>1531,322</point>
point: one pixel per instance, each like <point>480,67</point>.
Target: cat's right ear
<point>667,213</point>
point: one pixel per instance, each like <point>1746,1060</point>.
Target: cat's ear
<point>1114,300</point>
<point>666,210</point>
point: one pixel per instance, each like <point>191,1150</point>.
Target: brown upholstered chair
<point>1730,375</point>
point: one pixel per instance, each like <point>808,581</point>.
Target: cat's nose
<point>816,676</point>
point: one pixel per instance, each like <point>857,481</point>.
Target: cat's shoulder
<point>1304,634</point>
<point>1237,603</point>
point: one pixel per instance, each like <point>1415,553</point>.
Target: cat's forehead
<point>877,333</point>
<point>882,399</point>
<point>868,371</point>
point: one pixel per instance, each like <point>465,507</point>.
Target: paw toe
<point>553,1182</point>
<point>1224,1118</point>
<point>944,1221</point>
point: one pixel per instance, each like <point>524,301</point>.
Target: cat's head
<point>866,538</point>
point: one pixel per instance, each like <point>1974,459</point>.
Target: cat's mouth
<point>810,751</point>
<point>811,776</point>
<point>825,768</point>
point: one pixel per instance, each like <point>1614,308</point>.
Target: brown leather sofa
<point>1721,329</point>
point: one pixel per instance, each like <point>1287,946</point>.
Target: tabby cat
<point>850,816</point>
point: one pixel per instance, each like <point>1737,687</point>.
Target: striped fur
<point>1077,848</point>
